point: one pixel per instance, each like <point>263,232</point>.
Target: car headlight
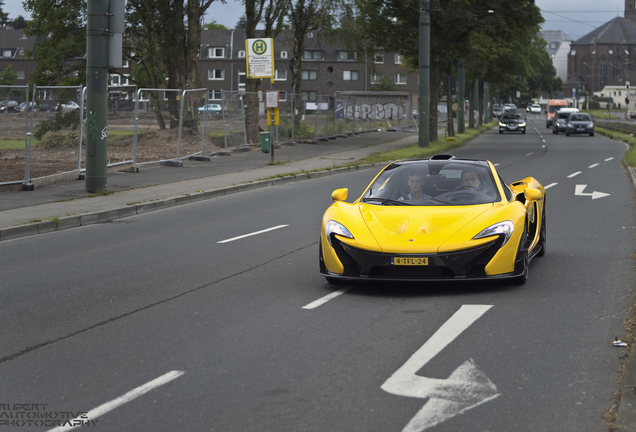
<point>334,227</point>
<point>522,124</point>
<point>506,228</point>
<point>502,124</point>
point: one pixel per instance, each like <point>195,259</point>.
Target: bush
<point>62,121</point>
<point>594,105</point>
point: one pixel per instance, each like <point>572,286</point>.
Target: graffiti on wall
<point>377,111</point>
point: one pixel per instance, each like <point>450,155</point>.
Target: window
<point>310,96</point>
<point>312,55</point>
<point>215,95</point>
<point>124,80</point>
<point>379,58</point>
<point>7,53</point>
<point>283,54</point>
<point>554,45</point>
<point>282,96</point>
<point>345,55</point>
<point>281,75</point>
<point>242,79</point>
<point>350,75</point>
<point>114,80</point>
<point>216,52</point>
<point>20,74</point>
<point>241,54</point>
<point>216,74</point>
<point>310,35</point>
<point>398,58</point>
<point>400,78</point>
<point>376,78</point>
<point>309,75</point>
<point>125,64</point>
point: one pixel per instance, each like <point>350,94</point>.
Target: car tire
<point>567,134</point>
<point>543,243</point>
<point>523,131</point>
<point>547,126</point>
<point>555,132</point>
<point>500,131</point>
<point>592,134</point>
<point>522,262</point>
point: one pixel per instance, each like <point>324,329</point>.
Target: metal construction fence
<point>46,134</point>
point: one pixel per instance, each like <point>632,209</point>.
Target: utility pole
<point>461,72</point>
<point>425,74</point>
<point>96,94</point>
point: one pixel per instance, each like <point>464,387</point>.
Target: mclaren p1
<point>436,219</point>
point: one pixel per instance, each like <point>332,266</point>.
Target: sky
<point>575,17</point>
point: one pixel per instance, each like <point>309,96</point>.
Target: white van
<point>561,119</point>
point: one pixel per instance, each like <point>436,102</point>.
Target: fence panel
<point>14,144</point>
<point>229,128</point>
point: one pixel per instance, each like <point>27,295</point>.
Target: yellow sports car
<point>436,219</point>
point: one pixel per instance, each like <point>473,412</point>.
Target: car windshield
<point>562,115</point>
<point>580,117</point>
<point>513,117</point>
<point>433,183</point>
<point>554,108</point>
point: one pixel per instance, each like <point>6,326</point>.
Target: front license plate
<point>512,126</point>
<point>409,261</point>
<point>581,129</point>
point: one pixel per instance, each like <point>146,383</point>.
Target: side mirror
<point>341,194</point>
<point>532,195</point>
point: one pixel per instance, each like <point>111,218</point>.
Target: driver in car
<point>470,178</point>
<point>416,182</point>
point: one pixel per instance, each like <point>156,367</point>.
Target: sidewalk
<point>66,205</point>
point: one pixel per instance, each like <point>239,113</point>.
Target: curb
<point>106,216</point>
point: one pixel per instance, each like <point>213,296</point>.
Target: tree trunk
<point>471,103</point>
<point>436,73</point>
<point>449,110</point>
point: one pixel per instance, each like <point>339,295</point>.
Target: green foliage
<point>214,26</point>
<point>61,46</point>
<point>7,77</point>
<point>61,122</point>
<point>384,84</point>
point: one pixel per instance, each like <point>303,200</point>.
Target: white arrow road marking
<point>133,394</point>
<point>578,191</point>
<point>466,388</point>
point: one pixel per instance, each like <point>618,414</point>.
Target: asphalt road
<point>149,323</point>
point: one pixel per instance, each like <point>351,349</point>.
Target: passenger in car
<point>415,182</point>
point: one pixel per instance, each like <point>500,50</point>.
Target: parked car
<point>561,119</point>
<point>512,122</point>
<point>580,123</point>
<point>25,107</point>
<point>44,107</point>
<point>69,106</point>
<point>211,108</point>
<point>8,106</point>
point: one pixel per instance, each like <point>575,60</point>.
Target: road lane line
<point>325,299</point>
<point>609,159</point>
<point>530,154</point>
<point>252,234</point>
<point>594,165</point>
<point>133,394</point>
<point>575,174</point>
<point>550,185</point>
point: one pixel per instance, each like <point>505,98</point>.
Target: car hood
<point>512,121</point>
<point>420,229</point>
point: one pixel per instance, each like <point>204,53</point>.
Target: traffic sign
<point>259,58</point>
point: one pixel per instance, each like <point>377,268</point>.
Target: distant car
<point>44,107</point>
<point>211,108</point>
<point>415,113</point>
<point>70,106</point>
<point>580,123</point>
<point>509,107</point>
<point>512,122</point>
<point>630,115</point>
<point>561,119</point>
<point>8,106</point>
<point>25,107</point>
<point>497,111</point>
<point>535,108</point>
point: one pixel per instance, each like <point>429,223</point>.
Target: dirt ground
<point>153,145</point>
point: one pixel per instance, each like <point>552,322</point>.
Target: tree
<point>385,83</point>
<point>8,77</point>
<point>19,23</point>
<point>4,17</point>
<point>214,26</point>
<point>241,24</point>
<point>305,16</point>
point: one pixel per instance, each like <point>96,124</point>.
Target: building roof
<point>16,41</point>
<point>617,31</point>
